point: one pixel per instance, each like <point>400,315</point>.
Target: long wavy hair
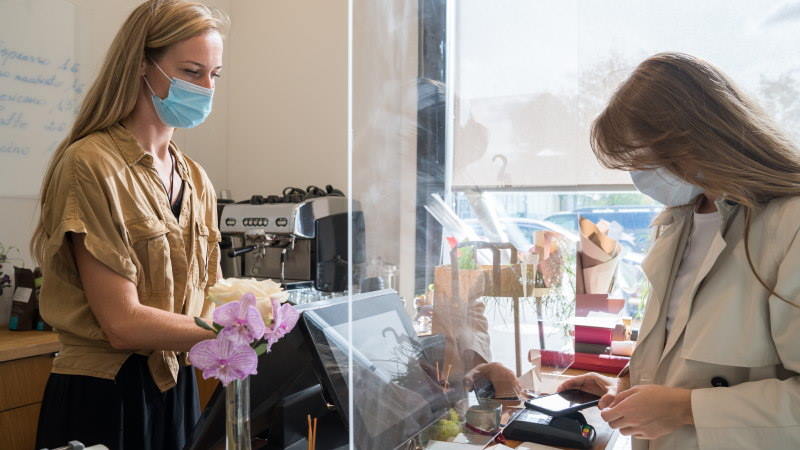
<point>681,113</point>
<point>148,32</point>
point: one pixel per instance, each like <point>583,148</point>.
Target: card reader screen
<point>564,400</point>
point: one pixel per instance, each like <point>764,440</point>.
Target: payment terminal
<point>569,431</point>
<point>554,420</point>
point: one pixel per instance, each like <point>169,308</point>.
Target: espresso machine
<point>298,239</point>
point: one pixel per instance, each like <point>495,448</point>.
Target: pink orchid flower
<point>284,318</point>
<point>241,320</point>
<point>224,360</point>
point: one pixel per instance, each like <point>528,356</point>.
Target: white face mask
<point>664,187</point>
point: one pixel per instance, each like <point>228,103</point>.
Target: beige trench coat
<point>732,328</point>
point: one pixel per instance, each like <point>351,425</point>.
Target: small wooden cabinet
<point>25,361</point>
<point>26,358</point>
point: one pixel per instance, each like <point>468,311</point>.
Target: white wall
<point>288,95</point>
<point>288,105</point>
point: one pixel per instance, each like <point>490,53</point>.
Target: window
<point>527,79</point>
<point>520,214</point>
<point>471,120</point>
<point>524,81</point>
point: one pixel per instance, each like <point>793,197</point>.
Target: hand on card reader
<point>555,420</point>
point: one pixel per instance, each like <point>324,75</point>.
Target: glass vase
<point>237,415</point>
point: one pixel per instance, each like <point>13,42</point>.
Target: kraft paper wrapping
<point>597,260</point>
<point>549,258</point>
<point>586,303</point>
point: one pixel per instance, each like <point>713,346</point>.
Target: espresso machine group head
<point>300,242</point>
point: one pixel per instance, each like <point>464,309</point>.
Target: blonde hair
<point>148,32</point>
<point>681,113</point>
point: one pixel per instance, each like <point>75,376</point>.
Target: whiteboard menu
<point>40,89</point>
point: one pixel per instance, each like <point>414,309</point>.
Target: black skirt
<point>128,413</point>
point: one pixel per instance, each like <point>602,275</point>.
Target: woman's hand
<point>650,411</point>
<point>604,387</point>
<point>504,381</point>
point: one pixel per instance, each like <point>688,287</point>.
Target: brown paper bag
<point>459,317</point>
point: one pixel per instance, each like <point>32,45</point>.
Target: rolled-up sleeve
<point>78,201</point>
<point>764,413</point>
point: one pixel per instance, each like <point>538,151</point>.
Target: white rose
<point>232,289</point>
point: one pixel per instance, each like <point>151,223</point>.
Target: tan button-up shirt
<point>107,188</point>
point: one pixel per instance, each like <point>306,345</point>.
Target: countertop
<point>24,344</point>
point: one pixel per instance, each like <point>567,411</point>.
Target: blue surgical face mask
<point>186,106</point>
<point>664,187</point>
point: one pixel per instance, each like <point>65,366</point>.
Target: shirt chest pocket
<point>730,342</point>
<point>729,324</point>
<point>148,238</point>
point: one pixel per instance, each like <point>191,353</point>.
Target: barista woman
<point>718,358</point>
<point>128,238</point>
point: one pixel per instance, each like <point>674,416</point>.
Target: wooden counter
<point>23,344</point>
<point>25,361</point>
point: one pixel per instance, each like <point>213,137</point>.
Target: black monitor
<point>395,393</point>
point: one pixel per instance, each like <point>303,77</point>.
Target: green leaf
<point>202,324</point>
<point>466,258</point>
<point>261,348</point>
<point>217,327</point>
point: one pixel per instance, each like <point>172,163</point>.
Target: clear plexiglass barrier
<point>496,253</point>
<point>464,291</point>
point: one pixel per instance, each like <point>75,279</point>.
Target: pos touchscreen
<point>393,395</point>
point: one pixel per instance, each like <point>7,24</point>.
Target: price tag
<point>23,294</point>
